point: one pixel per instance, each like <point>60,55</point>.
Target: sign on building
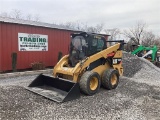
<point>32,42</point>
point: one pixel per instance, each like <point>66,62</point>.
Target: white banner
<point>32,42</point>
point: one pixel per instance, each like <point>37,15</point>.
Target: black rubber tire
<point>106,79</point>
<point>85,82</point>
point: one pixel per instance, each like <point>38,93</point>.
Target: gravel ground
<point>136,97</point>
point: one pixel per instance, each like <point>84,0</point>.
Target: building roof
<point>35,23</point>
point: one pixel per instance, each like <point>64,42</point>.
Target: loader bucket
<point>56,89</point>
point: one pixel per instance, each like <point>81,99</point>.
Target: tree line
<point>18,14</point>
<point>136,35</point>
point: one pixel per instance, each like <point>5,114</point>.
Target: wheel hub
<point>93,83</point>
<point>114,79</point>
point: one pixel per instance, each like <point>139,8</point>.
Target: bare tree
<point>69,25</point>
<point>150,39</point>
<point>79,25</point>
<point>99,27</point>
<point>114,33</point>
<point>95,29</point>
<point>36,18</point>
<point>136,32</point>
<point>83,27</point>
<point>91,29</point>
<point>29,17</point>
<point>157,42</point>
<point>4,14</point>
<point>73,25</point>
<point>16,14</point>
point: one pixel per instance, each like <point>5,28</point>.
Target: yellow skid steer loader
<point>89,65</point>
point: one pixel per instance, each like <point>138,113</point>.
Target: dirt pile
<point>141,70</point>
<point>149,74</point>
<point>131,64</point>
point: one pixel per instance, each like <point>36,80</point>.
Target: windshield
<point>78,42</point>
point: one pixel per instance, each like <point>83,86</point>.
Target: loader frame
<point>85,73</point>
<point>74,73</point>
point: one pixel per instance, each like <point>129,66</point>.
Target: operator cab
<point>84,45</point>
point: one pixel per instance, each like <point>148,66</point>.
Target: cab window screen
<point>94,42</point>
<point>100,44</point>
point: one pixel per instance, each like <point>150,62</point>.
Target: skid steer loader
<point>89,65</point>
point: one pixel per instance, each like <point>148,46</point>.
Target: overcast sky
<point>113,13</point>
